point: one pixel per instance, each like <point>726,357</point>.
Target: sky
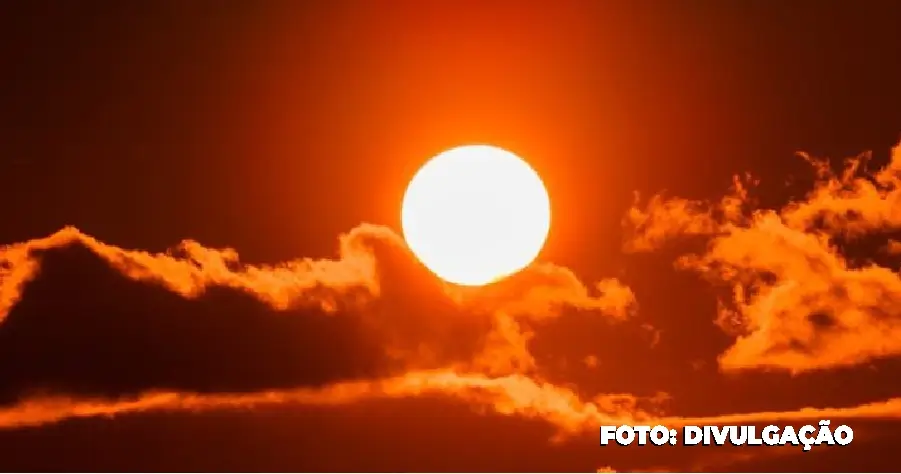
<point>202,267</point>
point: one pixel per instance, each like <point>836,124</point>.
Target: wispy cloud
<point>796,303</point>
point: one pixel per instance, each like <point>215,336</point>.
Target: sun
<point>476,214</point>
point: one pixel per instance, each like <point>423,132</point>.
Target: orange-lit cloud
<point>893,247</point>
<point>370,275</point>
<point>796,303</point>
<point>513,395</point>
<point>190,268</point>
<point>509,395</point>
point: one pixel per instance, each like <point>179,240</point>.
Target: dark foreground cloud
<point>195,329</point>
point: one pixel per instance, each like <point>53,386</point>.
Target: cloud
<point>663,218</point>
<point>195,328</point>
<point>510,395</point>
<point>893,247</point>
<point>189,269</point>
<point>796,302</point>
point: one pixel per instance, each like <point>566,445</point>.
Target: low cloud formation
<point>371,323</point>
<point>190,269</point>
<point>795,301</point>
<point>509,395</point>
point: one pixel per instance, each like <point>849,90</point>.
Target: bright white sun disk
<point>475,214</point>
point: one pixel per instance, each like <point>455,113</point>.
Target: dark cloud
<point>83,328</point>
<point>196,329</point>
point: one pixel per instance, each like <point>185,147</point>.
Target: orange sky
<point>698,270</point>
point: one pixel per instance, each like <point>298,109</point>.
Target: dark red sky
<point>273,127</point>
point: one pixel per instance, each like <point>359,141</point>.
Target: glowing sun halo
<point>475,214</point>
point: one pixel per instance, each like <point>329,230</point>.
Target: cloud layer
<point>107,331</point>
<point>399,331</point>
